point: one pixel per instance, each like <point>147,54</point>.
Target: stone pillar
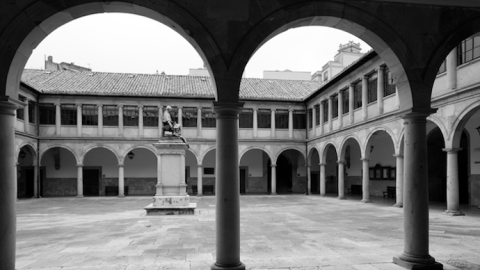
<point>79,181</point>
<point>227,187</point>
<point>199,122</point>
<point>399,181</point>
<point>26,117</point>
<point>415,205</point>
<point>330,120</point>
<point>79,120</point>
<point>309,180</point>
<point>452,70</point>
<point>453,186</point>
<point>140,120</point>
<point>380,88</point>
<point>321,117</point>
<point>341,180</point>
<point>100,120</point>
<point>365,181</point>
<point>58,119</point>
<point>160,124</point>
<point>36,173</point>
<point>274,179</point>
<point>290,123</point>
<point>365,97</point>
<point>180,115</point>
<point>255,122</point>
<point>159,185</point>
<point>199,180</point>
<point>120,120</point>
<point>314,120</point>
<point>322,179</point>
<point>350,103</point>
<point>8,185</point>
<point>272,124</point>
<point>340,109</point>
<point>121,181</point>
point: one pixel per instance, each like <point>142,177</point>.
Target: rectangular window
<point>110,115</point>
<point>245,118</point>
<point>357,95</point>
<point>325,111</point>
<point>372,87</point>
<point>310,120</point>
<point>20,111</point>
<point>68,113</point>
<point>468,50</point>
<point>208,117</point>
<point>389,84</point>
<point>264,118</point>
<point>89,115</point>
<point>299,121</point>
<point>317,115</point>
<point>130,116</point>
<point>281,119</point>
<point>443,67</point>
<point>150,116</point>
<point>345,100</point>
<point>334,106</point>
<point>47,113</point>
<point>189,117</point>
<point>32,111</point>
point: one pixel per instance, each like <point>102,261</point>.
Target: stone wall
<point>141,186</point>
<point>256,185</point>
<point>59,187</point>
<point>299,184</point>
<point>474,189</point>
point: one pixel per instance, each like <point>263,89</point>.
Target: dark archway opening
<point>284,175</point>
<point>437,167</point>
<point>463,169</point>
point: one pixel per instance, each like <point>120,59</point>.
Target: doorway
<point>243,176</point>
<point>91,182</point>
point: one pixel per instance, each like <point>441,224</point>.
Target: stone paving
<point>294,232</point>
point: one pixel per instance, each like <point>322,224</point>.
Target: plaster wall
<point>103,158</point>
<point>390,103</point>
<point>440,86</point>
<point>47,131</point>
<point>67,162</point>
<point>467,74</point>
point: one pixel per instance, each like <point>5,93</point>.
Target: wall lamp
<point>131,155</point>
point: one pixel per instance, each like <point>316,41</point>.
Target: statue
<point>171,126</point>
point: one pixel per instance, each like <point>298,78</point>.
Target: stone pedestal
<point>171,197</point>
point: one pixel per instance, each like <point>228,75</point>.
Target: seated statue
<point>171,126</point>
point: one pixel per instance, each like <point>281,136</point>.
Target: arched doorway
<point>191,172</point>
<point>255,173</point>
<point>331,170</point>
<point>351,155</point>
<point>382,165</point>
<point>60,167</point>
<point>314,171</point>
<point>291,172</point>
<point>209,168</point>
<point>437,165</point>
<point>100,173</point>
<point>26,172</point>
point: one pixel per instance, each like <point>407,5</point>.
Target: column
<point>199,122</point>
<point>314,120</point>
<point>199,180</point>
<point>290,123</point>
<point>365,97</point>
<point>453,186</point>
<point>58,119</point>
<point>272,124</point>
<point>365,181</point>
<point>350,103</point>
<point>322,105</point>
<point>227,187</point>
<point>160,125</point>
<point>399,181</point>
<point>79,119</point>
<point>79,181</point>
<point>340,109</point>
<point>120,120</point>
<point>274,179</point>
<point>100,120</point>
<point>309,180</point>
<point>452,69</point>
<point>121,181</point>
<point>26,120</point>
<point>330,121</point>
<point>159,184</point>
<point>140,120</point>
<point>255,122</point>
<point>415,204</point>
<point>8,185</point>
<point>180,115</point>
<point>380,88</point>
<point>341,180</point>
<point>36,173</point>
<point>322,179</point>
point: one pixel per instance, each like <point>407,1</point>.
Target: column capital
<point>398,155</point>
<point>78,104</point>
<point>7,107</point>
<point>273,110</point>
<point>382,67</point>
<point>273,165</point>
<point>121,165</point>
<point>418,114</point>
<point>342,162</point>
<point>227,109</point>
<point>120,106</point>
<point>57,103</point>
<point>322,164</point>
<point>79,165</point>
<point>200,165</point>
<point>99,105</point>
<point>364,159</point>
<point>290,109</point>
<point>140,106</point>
<point>452,150</point>
<point>255,109</point>
<point>179,107</point>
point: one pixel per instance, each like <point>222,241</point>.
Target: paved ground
<point>277,232</point>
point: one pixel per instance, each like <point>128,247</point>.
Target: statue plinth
<point>171,197</point>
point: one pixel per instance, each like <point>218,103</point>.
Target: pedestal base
<point>424,266</point>
<point>454,213</point>
<point>399,205</point>
<point>170,210</point>
<point>241,266</point>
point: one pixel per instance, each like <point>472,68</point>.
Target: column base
<point>454,213</point>
<point>341,197</point>
<point>121,196</point>
<point>399,205</point>
<point>273,193</point>
<point>241,266</point>
<point>199,195</point>
<point>322,195</point>
<point>79,196</point>
<point>423,264</point>
<point>366,201</point>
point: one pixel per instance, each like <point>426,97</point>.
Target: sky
<point>125,43</point>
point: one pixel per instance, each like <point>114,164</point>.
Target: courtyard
<point>277,232</point>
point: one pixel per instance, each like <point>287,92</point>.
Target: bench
<point>206,189</point>
<point>355,190</point>
<point>390,193</point>
<point>113,190</point>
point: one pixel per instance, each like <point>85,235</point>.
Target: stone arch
<point>325,148</point>
<point>343,146</point>
<point>119,160</point>
<point>344,17</point>
<point>22,38</point>
<point>30,146</point>
<point>368,142</point>
<point>286,149</point>
<point>459,124</point>
<point>310,151</point>
<point>202,156</point>
<point>195,155</point>
<point>125,153</point>
<point>270,155</point>
<point>434,119</point>
<point>77,158</point>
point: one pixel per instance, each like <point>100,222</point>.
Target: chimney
<point>50,58</point>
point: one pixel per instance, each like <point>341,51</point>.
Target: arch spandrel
<point>263,149</point>
<point>453,139</point>
<point>78,159</point>
<point>280,151</point>
<point>107,147</point>
<point>371,136</point>
<point>324,152</point>
<point>345,143</point>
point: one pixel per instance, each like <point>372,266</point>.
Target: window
<point>89,115</point>
<point>357,95</point>
<point>208,117</point>
<point>264,118</point>
<point>47,113</point>
<point>110,115</point>
<point>325,111</point>
<point>345,100</point>
<point>372,87</point>
<point>150,116</point>
<point>20,111</point>
<point>334,106</point>
<point>189,117</point>
<point>299,121</point>
<point>443,67</point>
<point>310,120</point>
<point>389,87</point>
<point>208,170</point>
<point>68,113</point>
<point>130,116</point>
<point>246,118</point>
<point>317,114</point>
<point>281,119</point>
<point>32,111</point>
<point>468,50</point>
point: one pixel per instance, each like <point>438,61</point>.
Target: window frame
<point>68,114</point>
<point>47,113</point>
<point>89,115</point>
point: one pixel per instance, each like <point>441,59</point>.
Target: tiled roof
<point>124,84</point>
